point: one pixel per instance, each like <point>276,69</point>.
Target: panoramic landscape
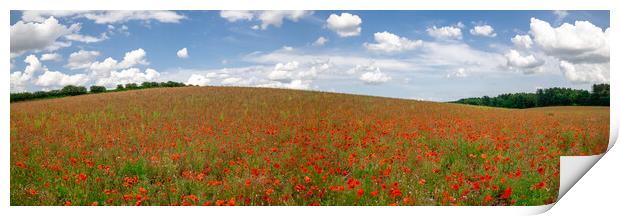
<point>297,108</point>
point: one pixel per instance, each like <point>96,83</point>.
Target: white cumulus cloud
<point>320,41</point>
<point>233,81</point>
<point>107,17</point>
<point>293,84</point>
<point>236,15</point>
<point>374,77</point>
<point>134,57</point>
<point>42,15</point>
<point>460,73</point>
<point>283,72</point>
<point>55,78</point>
<point>51,57</point>
<point>104,68</point>
<point>445,32</point>
<point>582,48</point>
<point>345,25</point>
<point>276,18</point>
<point>388,42</point>
<point>81,59</point>
<point>34,36</point>
<point>314,69</point>
<point>86,38</point>
<point>524,41</point>
<point>111,72</point>
<point>199,80</point>
<point>107,71</point>
<point>581,42</point>
<point>19,79</point>
<point>182,53</point>
<point>516,60</point>
<point>585,72</point>
<point>267,17</point>
<point>130,75</point>
<point>560,15</point>
<point>308,71</point>
<point>483,30</point>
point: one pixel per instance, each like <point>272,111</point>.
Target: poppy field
<point>261,146</point>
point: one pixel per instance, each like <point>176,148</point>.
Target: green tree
<point>546,97</point>
<point>600,95</point>
<point>72,90</point>
<point>97,89</point>
<point>131,86</point>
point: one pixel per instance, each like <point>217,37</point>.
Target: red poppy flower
<point>507,193</point>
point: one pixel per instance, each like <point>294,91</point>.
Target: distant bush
<point>97,89</point>
<point>22,96</point>
<point>172,84</point>
<point>600,95</point>
<point>546,97</point>
<point>72,90</point>
<point>69,90</point>
<point>54,93</point>
<point>131,86</point>
<point>149,85</point>
<point>40,94</point>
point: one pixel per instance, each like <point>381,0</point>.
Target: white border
<point>311,5</point>
<point>574,200</point>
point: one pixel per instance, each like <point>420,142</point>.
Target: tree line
<point>599,96</point>
<point>72,90</point>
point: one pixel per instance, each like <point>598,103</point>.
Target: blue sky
<point>429,55</point>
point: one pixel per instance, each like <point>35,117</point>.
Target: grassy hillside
<point>258,146</point>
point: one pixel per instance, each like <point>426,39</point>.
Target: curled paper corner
<point>573,168</point>
<point>497,210</point>
<point>613,131</point>
<point>532,210</point>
